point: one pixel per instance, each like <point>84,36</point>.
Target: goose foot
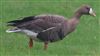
<point>45,45</point>
<point>30,43</point>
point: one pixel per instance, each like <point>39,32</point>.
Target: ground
<point>84,41</point>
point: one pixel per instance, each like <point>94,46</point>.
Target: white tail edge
<point>12,30</point>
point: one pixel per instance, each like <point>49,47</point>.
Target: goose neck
<point>77,15</point>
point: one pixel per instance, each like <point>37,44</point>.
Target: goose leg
<point>45,45</point>
<point>30,43</point>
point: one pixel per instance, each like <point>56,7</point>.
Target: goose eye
<point>88,8</point>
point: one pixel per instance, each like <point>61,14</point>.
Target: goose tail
<point>13,23</point>
<point>13,30</point>
<point>18,22</point>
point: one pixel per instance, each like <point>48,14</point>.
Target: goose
<point>47,27</point>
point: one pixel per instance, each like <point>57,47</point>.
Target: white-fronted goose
<point>48,28</point>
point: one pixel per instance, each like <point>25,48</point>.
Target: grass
<point>85,41</point>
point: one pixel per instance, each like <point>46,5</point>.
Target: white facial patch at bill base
<point>91,11</point>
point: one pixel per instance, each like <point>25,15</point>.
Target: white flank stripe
<point>48,29</point>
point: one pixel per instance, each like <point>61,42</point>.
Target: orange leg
<point>45,45</point>
<point>30,43</point>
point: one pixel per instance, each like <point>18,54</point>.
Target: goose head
<point>86,10</point>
